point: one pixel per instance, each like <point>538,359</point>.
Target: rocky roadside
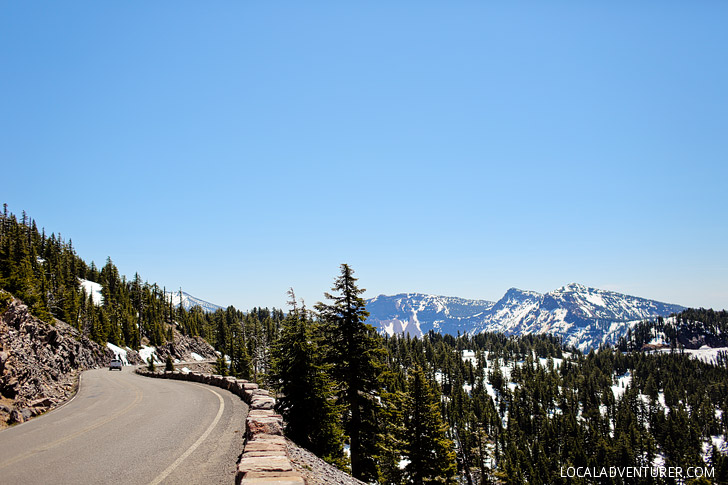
<point>316,471</point>
<point>40,363</point>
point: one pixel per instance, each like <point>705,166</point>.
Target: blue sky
<point>236,149</point>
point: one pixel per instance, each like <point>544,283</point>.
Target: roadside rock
<point>40,363</point>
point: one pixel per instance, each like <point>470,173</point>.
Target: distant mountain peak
<point>574,287</point>
<point>519,293</point>
<point>583,316</point>
<point>188,301</point>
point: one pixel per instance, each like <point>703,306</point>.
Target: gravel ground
<point>316,471</point>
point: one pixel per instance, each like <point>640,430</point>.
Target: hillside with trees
<point>45,272</point>
<point>689,329</point>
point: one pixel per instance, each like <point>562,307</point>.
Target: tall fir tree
<point>354,350</point>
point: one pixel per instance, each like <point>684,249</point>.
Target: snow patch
<point>704,353</point>
<point>145,352</point>
<point>94,289</point>
<point>622,382</point>
<point>118,352</point>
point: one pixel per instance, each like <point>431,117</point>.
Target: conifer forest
<point>471,409</point>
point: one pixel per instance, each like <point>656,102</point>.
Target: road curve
<point>124,428</point>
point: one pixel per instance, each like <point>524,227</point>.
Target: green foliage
<point>5,299</point>
<point>354,351</point>
<point>391,442</point>
<point>548,409</point>
<point>430,453</point>
<point>305,389</point>
<point>691,329</point>
<point>221,366</point>
<point>44,272</point>
<point>150,364</point>
<point>168,364</point>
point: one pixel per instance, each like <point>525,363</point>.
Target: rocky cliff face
<point>39,362</point>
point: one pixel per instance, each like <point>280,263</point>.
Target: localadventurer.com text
<point>637,472</point>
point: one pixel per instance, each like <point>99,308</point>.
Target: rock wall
<point>40,363</point>
<point>265,458</point>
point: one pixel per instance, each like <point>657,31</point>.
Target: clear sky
<point>239,148</point>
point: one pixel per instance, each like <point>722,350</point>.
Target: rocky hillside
<point>40,362</point>
<point>186,349</point>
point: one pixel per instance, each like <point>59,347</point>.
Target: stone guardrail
<point>264,459</point>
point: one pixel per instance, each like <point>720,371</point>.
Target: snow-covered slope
<point>584,317</point>
<point>417,314</point>
<point>93,289</point>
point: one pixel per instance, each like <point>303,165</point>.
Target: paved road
<point>126,429</point>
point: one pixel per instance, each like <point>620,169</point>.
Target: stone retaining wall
<point>265,459</point>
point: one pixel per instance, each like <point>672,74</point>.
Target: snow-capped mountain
<point>584,317</point>
<point>188,301</point>
<point>417,314</point>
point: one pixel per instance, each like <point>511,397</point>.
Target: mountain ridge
<point>582,316</point>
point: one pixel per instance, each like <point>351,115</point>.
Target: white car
<point>115,364</point>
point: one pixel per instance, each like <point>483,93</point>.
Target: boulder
<point>260,402</point>
<point>264,425</point>
<point>250,464</point>
<point>267,478</point>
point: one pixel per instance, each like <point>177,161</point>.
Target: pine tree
<point>168,364</point>
<point>221,367</point>
<point>240,359</point>
<point>429,451</point>
<point>354,350</point>
<point>306,392</point>
<point>391,442</point>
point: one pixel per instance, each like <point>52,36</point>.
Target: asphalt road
<point>122,428</point>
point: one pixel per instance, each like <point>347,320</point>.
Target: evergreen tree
<point>240,359</point>
<point>168,364</point>
<point>354,350</point>
<point>221,367</point>
<point>306,392</point>
<point>392,435</point>
<point>429,451</point>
